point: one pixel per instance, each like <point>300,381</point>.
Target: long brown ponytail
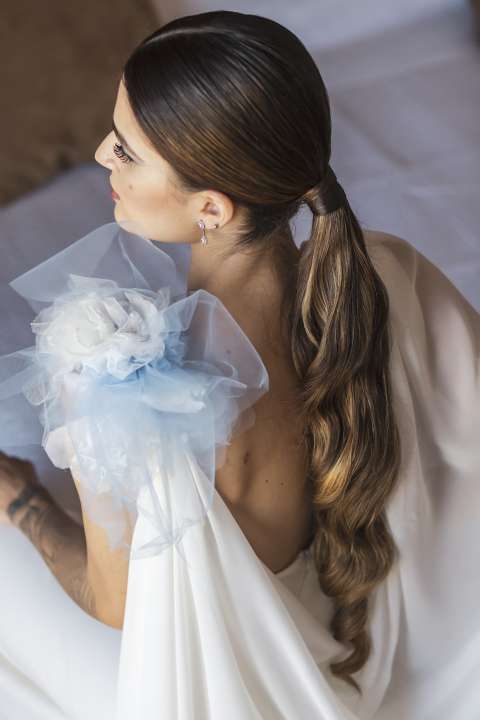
<point>341,348</point>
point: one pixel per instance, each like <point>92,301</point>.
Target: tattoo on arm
<point>61,543</point>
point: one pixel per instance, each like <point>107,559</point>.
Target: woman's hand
<point>15,476</point>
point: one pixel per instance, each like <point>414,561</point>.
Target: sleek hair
<point>235,102</point>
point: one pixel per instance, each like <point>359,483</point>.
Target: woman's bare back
<point>264,478</point>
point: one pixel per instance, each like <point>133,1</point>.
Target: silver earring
<point>201,225</point>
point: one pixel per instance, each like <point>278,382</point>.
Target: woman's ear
<point>216,208</point>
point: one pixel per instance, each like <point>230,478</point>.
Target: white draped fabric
<point>217,634</point>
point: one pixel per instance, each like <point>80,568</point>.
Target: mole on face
<point>246,458</point>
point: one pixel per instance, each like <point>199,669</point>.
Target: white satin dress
<point>223,637</point>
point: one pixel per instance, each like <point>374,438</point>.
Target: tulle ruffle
<point>131,377</point>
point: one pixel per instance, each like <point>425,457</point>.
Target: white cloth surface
<point>56,662</point>
<point>405,92</point>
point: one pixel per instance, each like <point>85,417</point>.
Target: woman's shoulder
<point>417,287</point>
<point>390,252</point>
<point>436,334</point>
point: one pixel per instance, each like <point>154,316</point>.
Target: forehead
<point>130,130</point>
<point>122,103</point>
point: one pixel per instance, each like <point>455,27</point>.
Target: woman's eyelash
<point>120,153</point>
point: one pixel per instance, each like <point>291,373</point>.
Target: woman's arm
<point>61,543</point>
<point>79,556</point>
<point>107,570</point>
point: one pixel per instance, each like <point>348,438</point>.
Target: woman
<point>354,494</point>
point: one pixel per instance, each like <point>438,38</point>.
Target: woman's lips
<point>115,195</point>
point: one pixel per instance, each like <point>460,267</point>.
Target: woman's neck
<point>221,269</point>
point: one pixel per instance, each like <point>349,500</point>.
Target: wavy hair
<point>235,102</point>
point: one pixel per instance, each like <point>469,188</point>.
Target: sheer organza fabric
<point>130,377</point>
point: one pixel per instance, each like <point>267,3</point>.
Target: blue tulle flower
<point>137,383</point>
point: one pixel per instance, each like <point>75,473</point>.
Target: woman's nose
<point>103,153</point>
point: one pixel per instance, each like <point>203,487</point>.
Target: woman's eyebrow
<point>126,146</point>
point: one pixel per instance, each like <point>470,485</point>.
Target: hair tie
<point>327,195</point>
